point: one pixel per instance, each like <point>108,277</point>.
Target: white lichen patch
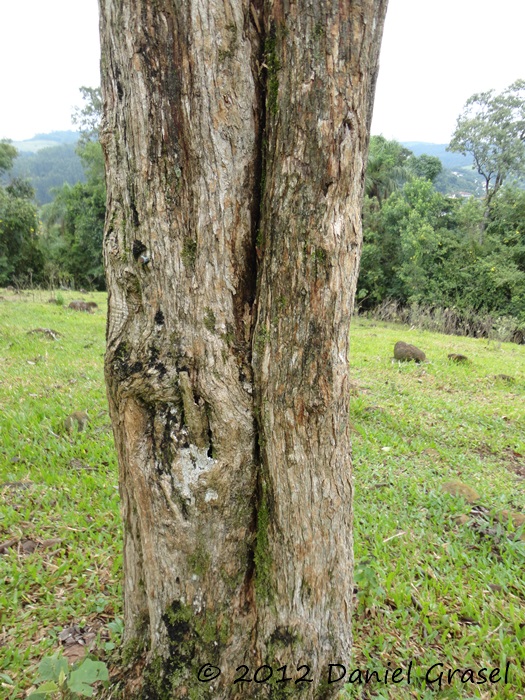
<point>198,602</point>
<point>192,462</point>
<point>211,495</point>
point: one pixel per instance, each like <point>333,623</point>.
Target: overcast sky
<point>48,49</point>
<point>436,53</point>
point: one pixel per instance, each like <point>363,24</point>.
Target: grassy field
<point>438,580</point>
<point>55,489</point>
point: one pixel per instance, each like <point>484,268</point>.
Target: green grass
<point>68,489</point>
<point>427,587</point>
<point>431,589</point>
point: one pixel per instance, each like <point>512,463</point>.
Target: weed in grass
<point>56,677</point>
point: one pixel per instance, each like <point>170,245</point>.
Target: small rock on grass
<point>404,352</point>
<point>461,519</point>
<point>49,332</point>
<point>518,519</point>
<point>79,305</point>
<point>505,378</point>
<point>458,488</point>
<point>456,357</point>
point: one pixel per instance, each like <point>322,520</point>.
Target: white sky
<point>48,49</point>
<point>436,53</point>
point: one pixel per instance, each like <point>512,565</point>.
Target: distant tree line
<point>60,244</point>
<point>73,225</point>
<point>21,256</point>
<point>48,169</point>
<point>422,247</point>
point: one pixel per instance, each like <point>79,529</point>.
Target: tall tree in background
<point>88,116</point>
<point>492,129</point>
<point>387,167</point>
<point>7,155</point>
<point>235,137</point>
<point>74,221</point>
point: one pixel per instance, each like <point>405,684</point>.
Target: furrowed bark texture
<point>319,56</point>
<point>235,137</point>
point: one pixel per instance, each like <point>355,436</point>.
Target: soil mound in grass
<point>404,352</point>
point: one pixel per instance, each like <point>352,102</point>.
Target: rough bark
<point>235,137</point>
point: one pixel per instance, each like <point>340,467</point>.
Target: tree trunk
<point>235,136</point>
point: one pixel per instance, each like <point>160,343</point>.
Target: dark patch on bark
<point>134,212</point>
<point>178,628</point>
<point>174,435</point>
<point>159,318</point>
<point>153,355</point>
<point>161,369</point>
<point>118,84</point>
<point>138,248</point>
<point>190,637</point>
<point>210,451</point>
<point>283,636</point>
<point>326,186</point>
<point>244,299</point>
<point>158,677</point>
<point>173,70</point>
<point>120,362</point>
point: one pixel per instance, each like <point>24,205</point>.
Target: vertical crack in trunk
<point>257,20</point>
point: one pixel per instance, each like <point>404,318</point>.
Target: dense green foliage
<point>74,220</point>
<point>387,168</point>
<point>7,156</point>
<point>21,255</point>
<point>65,247</point>
<point>74,226</point>
<point>422,247</point>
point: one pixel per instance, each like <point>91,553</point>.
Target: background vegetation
<point>428,249</point>
<point>443,229</point>
<point>59,243</point>
<point>48,168</point>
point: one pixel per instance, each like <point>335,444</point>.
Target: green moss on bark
<point>189,253</point>
<point>272,63</point>
<point>262,556</point>
<point>209,320</point>
<point>191,637</point>
<point>199,560</point>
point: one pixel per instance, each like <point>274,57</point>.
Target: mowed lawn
<point>55,489</point>
<point>438,580</point>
